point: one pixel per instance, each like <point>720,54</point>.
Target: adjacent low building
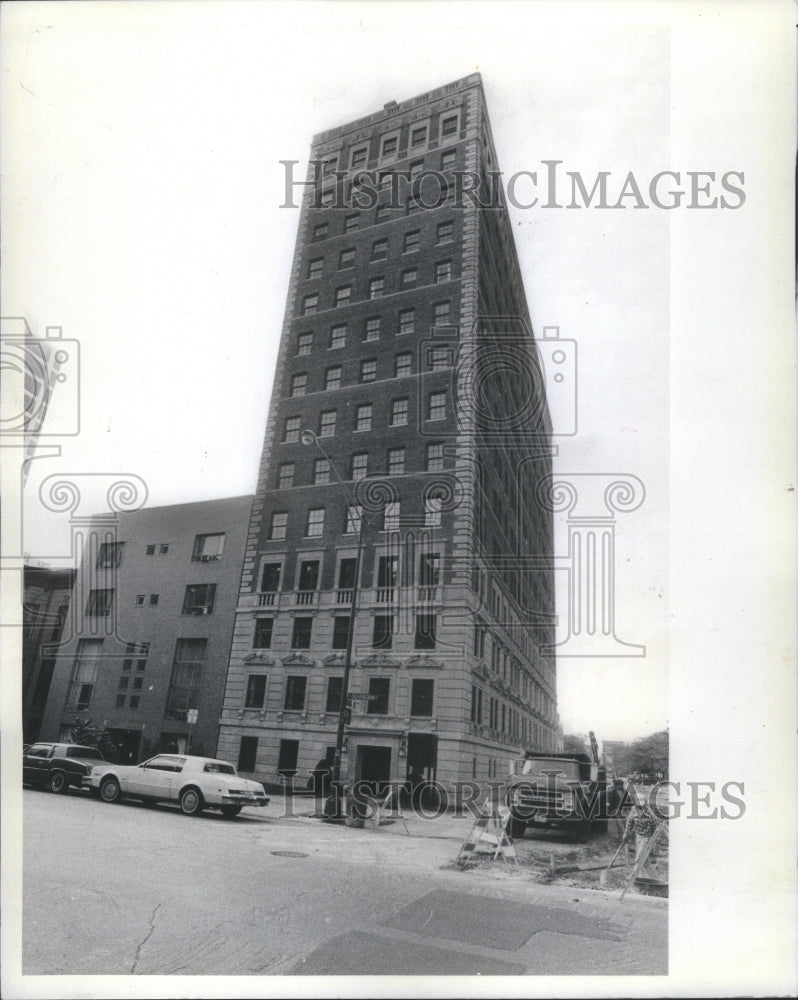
<point>146,642</point>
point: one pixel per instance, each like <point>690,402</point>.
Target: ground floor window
<point>289,754</point>
<point>248,753</point>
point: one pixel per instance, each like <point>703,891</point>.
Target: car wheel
<point>230,811</point>
<point>110,790</point>
<point>191,801</point>
<point>57,782</point>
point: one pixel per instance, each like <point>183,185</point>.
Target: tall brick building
<point>408,393</point>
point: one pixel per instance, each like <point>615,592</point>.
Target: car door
<point>35,764</point>
<point>155,778</point>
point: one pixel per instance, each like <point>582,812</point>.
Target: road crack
<point>147,937</point>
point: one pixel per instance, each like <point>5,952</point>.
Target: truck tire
<point>516,828</point>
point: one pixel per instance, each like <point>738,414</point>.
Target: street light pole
<point>332,806</point>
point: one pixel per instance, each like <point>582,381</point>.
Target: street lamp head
<point>307,437</point>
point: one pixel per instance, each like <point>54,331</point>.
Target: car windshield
<point>563,768</point>
<point>86,753</point>
<point>218,767</point>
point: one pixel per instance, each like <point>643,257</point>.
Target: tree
<point>86,734</point>
<point>573,743</point>
<point>647,755</point>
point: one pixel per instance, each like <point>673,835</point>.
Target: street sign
<point>191,716</point>
<point>363,697</point>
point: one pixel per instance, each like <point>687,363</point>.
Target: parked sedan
<point>196,783</point>
<point>58,766</point>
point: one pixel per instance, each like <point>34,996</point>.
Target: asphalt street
<point>129,889</point>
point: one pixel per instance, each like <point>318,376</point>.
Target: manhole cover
<point>289,854</point>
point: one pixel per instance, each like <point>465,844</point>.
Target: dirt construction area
<point>556,857</point>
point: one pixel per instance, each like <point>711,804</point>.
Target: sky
<point>141,214</point>
<point>148,172</point>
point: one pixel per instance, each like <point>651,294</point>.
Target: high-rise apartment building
<point>409,432</point>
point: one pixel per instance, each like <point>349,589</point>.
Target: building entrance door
<point>374,768</point>
<point>129,743</point>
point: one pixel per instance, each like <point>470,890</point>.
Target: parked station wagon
<point>195,783</point>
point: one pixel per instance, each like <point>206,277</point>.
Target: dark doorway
<point>374,767</point>
<point>422,764</point>
<point>128,742</point>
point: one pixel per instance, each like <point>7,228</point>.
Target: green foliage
<point>85,733</point>
<point>576,743</point>
<point>648,755</point>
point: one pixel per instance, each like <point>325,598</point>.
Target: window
<point>304,343</point>
<point>264,627</point>
<point>110,555</point>
<point>308,575</point>
<point>382,636</point>
<point>441,313</point>
<point>383,212</point>
<point>376,287</point>
<point>380,250</point>
<point>396,461</point>
<point>84,674</point>
<point>338,336</point>
<point>285,476</point>
<point>429,569</point>
<point>140,600</point>
<point>300,637</point>
<point>390,147</point>
<point>120,701</point>
<point>416,169</point>
<point>343,295</point>
<point>335,688</point>
<point>315,267</point>
<point>409,277</point>
<point>256,691</point>
<point>443,234</point>
<point>399,409</point>
<point>340,631</point>
<point>448,159</point>
<point>436,408</point>
<point>314,526</point>
<point>432,512</point>
<point>310,304</point>
<point>150,550</point>
<point>291,430</point>
<point>438,358</point>
<point>425,632</point>
<point>418,136</point>
<point>368,370</point>
<point>476,704</point>
<point>407,320</point>
<point>186,680</point>
<point>327,423</point>
<point>347,258</point>
<point>351,223</point>
<point>372,331</point>
<point>329,165</point>
<point>320,231</point>
<point>199,599</point>
<point>321,472</point>
<point>208,548</point>
<point>299,384</point>
<point>153,600</point>
<point>164,549</point>
<point>402,364</point>
<point>390,520</point>
<point>387,574</point>
<point>286,761</point>
<point>332,379</point>
<point>354,514</point>
<point>358,157</point>
<point>421,697</point>
<point>99,603</point>
<point>443,271</point>
<point>449,126</point>
<point>434,457</point>
<point>379,693</point>
<point>411,242</point>
<point>295,692</point>
<point>278,525</point>
<point>363,417</point>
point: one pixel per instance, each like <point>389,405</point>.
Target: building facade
<point>44,614</point>
<point>146,644</point>
<point>409,435</point>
